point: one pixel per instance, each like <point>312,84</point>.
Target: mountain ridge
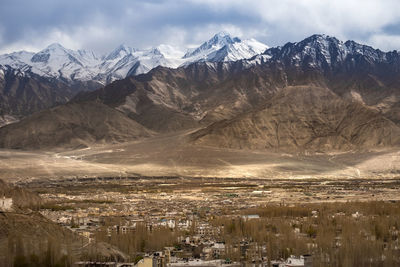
<point>303,118</point>
<point>55,61</point>
<point>72,126</point>
<point>361,81</point>
<point>23,92</point>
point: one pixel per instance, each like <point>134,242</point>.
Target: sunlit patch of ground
<point>170,155</point>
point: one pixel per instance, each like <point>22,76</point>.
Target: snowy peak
<point>319,39</point>
<point>323,51</point>
<point>223,47</point>
<point>125,61</point>
<point>120,52</point>
<point>222,39</point>
<point>17,60</point>
<point>317,51</point>
<point>162,55</point>
<point>56,52</point>
<point>55,46</point>
<point>217,42</point>
<point>56,61</point>
<point>154,51</point>
<point>53,50</point>
<point>365,50</point>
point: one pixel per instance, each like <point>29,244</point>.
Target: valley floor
<point>172,155</point>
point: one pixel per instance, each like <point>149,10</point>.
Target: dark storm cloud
<point>103,24</point>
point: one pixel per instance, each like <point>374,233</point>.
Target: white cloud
<point>293,19</point>
<point>385,42</point>
<point>79,38</point>
<point>142,24</point>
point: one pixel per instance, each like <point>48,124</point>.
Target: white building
<point>302,261</point>
<point>251,217</point>
<point>6,204</point>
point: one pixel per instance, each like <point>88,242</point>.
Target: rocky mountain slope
<point>72,125</point>
<point>206,92</point>
<point>23,93</point>
<point>354,81</point>
<point>303,118</point>
<point>28,238</point>
<point>21,199</point>
<point>31,82</point>
<point>222,48</point>
<point>167,100</point>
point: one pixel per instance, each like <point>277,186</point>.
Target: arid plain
<point>172,155</point>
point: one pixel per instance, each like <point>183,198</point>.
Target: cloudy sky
<point>101,25</point>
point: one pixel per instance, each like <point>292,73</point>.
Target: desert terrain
<point>172,155</point>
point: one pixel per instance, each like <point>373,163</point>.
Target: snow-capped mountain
<point>222,47</point>
<point>125,61</point>
<point>119,52</point>
<point>55,61</point>
<point>24,92</point>
<point>316,51</point>
<point>167,99</point>
<point>326,52</point>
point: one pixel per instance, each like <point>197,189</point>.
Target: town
<point>174,221</point>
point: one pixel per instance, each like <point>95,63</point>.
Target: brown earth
<point>71,125</point>
<point>304,118</point>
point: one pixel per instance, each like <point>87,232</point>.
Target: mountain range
<point>70,66</point>
<point>319,94</point>
<point>25,76</point>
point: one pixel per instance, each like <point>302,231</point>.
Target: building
<point>302,261</point>
<point>260,193</point>
<point>145,262</point>
<point>6,204</point>
<point>251,217</point>
<point>308,260</point>
<point>155,260</point>
<point>218,250</point>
